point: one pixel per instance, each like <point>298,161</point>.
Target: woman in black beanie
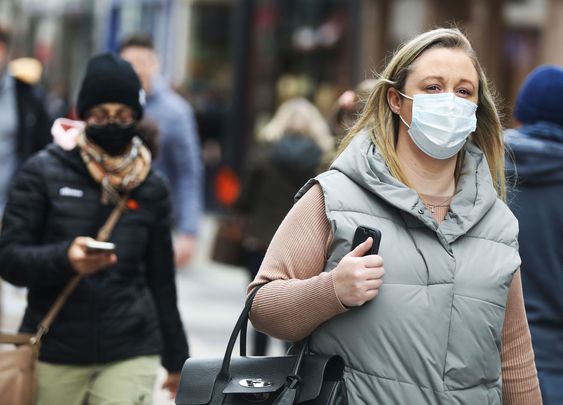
<point>104,346</point>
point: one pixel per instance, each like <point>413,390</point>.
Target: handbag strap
<point>240,328</point>
<point>15,339</point>
<point>242,321</point>
<point>103,235</point>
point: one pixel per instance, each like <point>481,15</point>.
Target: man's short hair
<point>5,35</point>
<point>136,41</point>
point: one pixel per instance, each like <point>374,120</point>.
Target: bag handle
<point>103,235</point>
<point>240,328</point>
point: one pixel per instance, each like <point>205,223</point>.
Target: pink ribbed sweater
<point>297,285</point>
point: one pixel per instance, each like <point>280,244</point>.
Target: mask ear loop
<point>404,122</point>
<point>405,96</point>
<point>399,114</point>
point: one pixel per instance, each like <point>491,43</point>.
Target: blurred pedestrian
<point>179,157</point>
<point>24,125</point>
<point>536,149</point>
<point>424,165</point>
<point>104,346</point>
<point>348,108</point>
<point>291,148</point>
<point>28,70</point>
<point>344,113</point>
<point>57,100</point>
<point>148,132</point>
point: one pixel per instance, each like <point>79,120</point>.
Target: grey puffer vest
<point>433,334</point>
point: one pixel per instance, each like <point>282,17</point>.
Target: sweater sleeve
<point>519,379</point>
<point>293,268</point>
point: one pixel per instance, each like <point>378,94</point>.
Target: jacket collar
<point>158,86</point>
<point>474,197</point>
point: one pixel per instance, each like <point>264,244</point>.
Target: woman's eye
<point>464,92</point>
<point>433,88</point>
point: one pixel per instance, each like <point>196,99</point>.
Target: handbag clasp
<point>254,383</point>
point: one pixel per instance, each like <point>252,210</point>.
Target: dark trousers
<point>551,384</point>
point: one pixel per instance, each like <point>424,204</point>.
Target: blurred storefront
<point>236,60</point>
<point>58,33</point>
<point>270,50</point>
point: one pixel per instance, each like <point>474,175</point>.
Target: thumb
<point>362,248</point>
<point>82,240</point>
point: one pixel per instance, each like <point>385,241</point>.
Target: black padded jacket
<point>124,311</point>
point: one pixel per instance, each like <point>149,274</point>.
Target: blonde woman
<point>444,322</point>
<point>291,147</point>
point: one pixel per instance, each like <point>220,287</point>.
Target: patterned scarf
<point>116,174</point>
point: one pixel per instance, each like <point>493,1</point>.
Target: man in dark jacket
<point>104,345</point>
<point>536,199</point>
<point>24,124</point>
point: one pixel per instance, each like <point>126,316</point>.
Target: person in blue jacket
<point>179,157</point>
<point>536,166</point>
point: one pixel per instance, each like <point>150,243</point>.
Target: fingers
<point>372,261</point>
<point>101,259</point>
<point>95,266</point>
<point>373,273</point>
<point>171,384</point>
<point>361,249</point>
<point>84,262</point>
<point>367,292</point>
<point>81,241</point>
<point>373,284</point>
<point>371,294</point>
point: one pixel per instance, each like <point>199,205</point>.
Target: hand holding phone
<point>358,276</point>
<point>87,256</point>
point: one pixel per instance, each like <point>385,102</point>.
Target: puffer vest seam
<point>478,299</point>
<point>510,244</point>
<point>370,214</point>
<point>351,369</point>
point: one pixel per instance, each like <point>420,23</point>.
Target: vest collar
<point>475,195</point>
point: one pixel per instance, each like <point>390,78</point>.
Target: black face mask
<point>112,138</point>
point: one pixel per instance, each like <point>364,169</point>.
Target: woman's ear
<point>394,100</point>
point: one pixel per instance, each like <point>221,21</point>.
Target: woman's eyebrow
<point>468,81</point>
<point>428,78</point>
<point>441,79</point>
<point>98,112</point>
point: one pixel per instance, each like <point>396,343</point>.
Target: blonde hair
<point>298,117</point>
<point>383,125</point>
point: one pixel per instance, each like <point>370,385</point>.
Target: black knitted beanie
<point>110,79</point>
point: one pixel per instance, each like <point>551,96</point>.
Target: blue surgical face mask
<point>441,123</point>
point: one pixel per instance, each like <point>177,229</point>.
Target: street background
<point>236,61</point>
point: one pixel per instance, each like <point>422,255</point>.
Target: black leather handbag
<point>304,378</point>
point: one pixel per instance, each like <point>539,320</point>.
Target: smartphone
<point>362,233</point>
<point>100,247</point>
